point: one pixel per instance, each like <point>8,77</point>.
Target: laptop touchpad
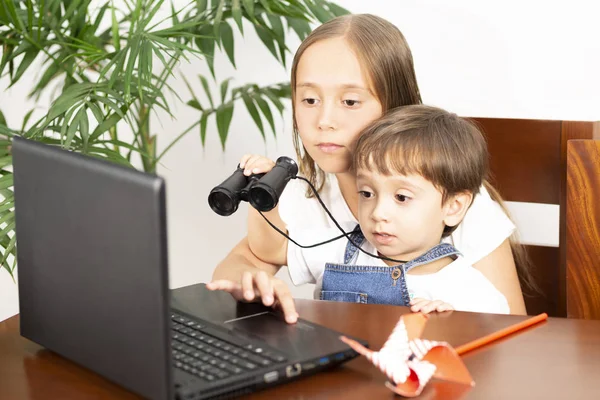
<point>299,338</point>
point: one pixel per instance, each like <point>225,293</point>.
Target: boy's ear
<point>456,207</point>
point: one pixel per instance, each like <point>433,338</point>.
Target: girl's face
<point>334,102</point>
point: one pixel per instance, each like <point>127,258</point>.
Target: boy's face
<point>402,216</point>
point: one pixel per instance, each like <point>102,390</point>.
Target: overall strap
<point>435,253</point>
<point>351,253</point>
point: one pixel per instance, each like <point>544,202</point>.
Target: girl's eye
<point>351,103</point>
<point>365,194</point>
<point>402,198</point>
<point>310,101</point>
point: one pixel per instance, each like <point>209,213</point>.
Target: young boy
<point>418,169</point>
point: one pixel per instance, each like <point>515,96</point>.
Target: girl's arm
<point>499,268</point>
<point>248,278</point>
<point>265,243</point>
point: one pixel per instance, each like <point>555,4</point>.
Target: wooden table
<point>558,359</point>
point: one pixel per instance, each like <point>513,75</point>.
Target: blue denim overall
<point>352,283</point>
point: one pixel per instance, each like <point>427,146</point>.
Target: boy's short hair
<point>445,149</point>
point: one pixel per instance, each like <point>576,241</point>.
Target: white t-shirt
<point>484,227</point>
<point>458,283</point>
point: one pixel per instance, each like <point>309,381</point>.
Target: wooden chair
<point>528,160</point>
<point>583,229</point>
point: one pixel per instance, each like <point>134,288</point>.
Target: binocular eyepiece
<point>262,191</point>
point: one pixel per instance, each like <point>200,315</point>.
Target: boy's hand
<point>260,286</point>
<point>256,164</point>
<point>426,306</point>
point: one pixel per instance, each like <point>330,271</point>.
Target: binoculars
<point>262,191</point>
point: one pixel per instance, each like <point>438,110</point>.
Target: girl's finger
<point>263,283</point>
<point>262,165</point>
<point>250,164</point>
<point>248,286</point>
<point>286,302</point>
<point>244,160</point>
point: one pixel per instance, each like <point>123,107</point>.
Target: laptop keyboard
<point>211,358</point>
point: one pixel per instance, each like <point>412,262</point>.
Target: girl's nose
<point>326,119</point>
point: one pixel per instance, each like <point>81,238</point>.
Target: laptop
<point>93,287</point>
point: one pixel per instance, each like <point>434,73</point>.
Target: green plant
<point>112,62</point>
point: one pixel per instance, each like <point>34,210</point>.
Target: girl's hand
<point>426,306</point>
<point>260,286</point>
<point>256,164</point>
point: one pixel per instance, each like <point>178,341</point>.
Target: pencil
<point>500,334</point>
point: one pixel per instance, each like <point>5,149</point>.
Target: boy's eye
<point>402,198</point>
<point>365,194</point>
<point>351,103</point>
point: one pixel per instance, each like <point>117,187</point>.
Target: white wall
<point>520,59</point>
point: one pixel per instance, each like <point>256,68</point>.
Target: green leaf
<point>264,107</point>
<point>73,125</point>
<point>8,202</point>
<point>194,104</point>
<point>8,250</point>
<point>227,40</point>
<point>236,12</point>
<point>12,14</point>
<point>224,87</point>
<point>2,118</point>
<point>207,90</point>
<point>224,116</point>
<point>116,40</point>
<point>252,110</point>
<point>265,4</point>
<point>84,128</point>
<point>275,100</point>
<point>337,10</point>
<point>26,119</point>
<point>5,161</point>
<point>174,19</point>
<point>30,55</point>
<point>6,181</point>
<point>203,123</point>
<point>277,28</point>
<point>207,46</point>
<point>7,217</point>
<point>52,71</point>
<point>201,5</point>
<point>8,228</point>
<point>219,17</point>
<point>7,51</point>
<point>98,114</point>
<point>267,39</point>
<point>249,6</point>
<point>106,125</point>
<point>301,27</point>
<point>132,56</point>
<point>98,19</point>
<point>319,12</point>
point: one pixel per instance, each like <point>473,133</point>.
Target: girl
<point>347,73</point>
<point>418,169</point>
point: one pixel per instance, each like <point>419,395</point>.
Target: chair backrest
<point>528,160</point>
<point>583,229</point>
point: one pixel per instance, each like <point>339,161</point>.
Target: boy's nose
<point>380,213</point>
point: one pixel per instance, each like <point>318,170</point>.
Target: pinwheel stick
<point>509,330</point>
